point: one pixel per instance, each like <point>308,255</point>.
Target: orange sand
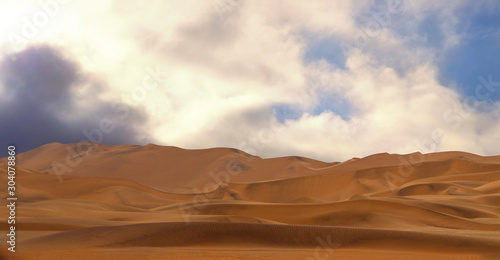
<point>154,202</point>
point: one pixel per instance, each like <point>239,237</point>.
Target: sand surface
<point>155,202</point>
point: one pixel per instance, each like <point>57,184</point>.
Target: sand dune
<point>251,235</point>
<point>170,202</point>
<point>164,168</point>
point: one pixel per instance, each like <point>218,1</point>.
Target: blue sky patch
<point>477,55</point>
<point>328,49</point>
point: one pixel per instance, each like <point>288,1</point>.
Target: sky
<point>329,80</point>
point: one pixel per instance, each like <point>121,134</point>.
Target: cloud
<point>229,70</point>
<point>48,98</point>
<point>353,78</point>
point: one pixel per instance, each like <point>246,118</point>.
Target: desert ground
<point>159,202</point>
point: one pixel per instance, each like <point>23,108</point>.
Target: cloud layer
<point>329,80</point>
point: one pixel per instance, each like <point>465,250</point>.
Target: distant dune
<point>155,202</point>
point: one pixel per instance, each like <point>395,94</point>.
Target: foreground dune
<point>154,202</point>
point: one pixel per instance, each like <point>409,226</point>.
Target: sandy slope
<point>122,202</point>
<point>164,168</point>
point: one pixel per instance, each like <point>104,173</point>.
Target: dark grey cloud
<point>41,103</point>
